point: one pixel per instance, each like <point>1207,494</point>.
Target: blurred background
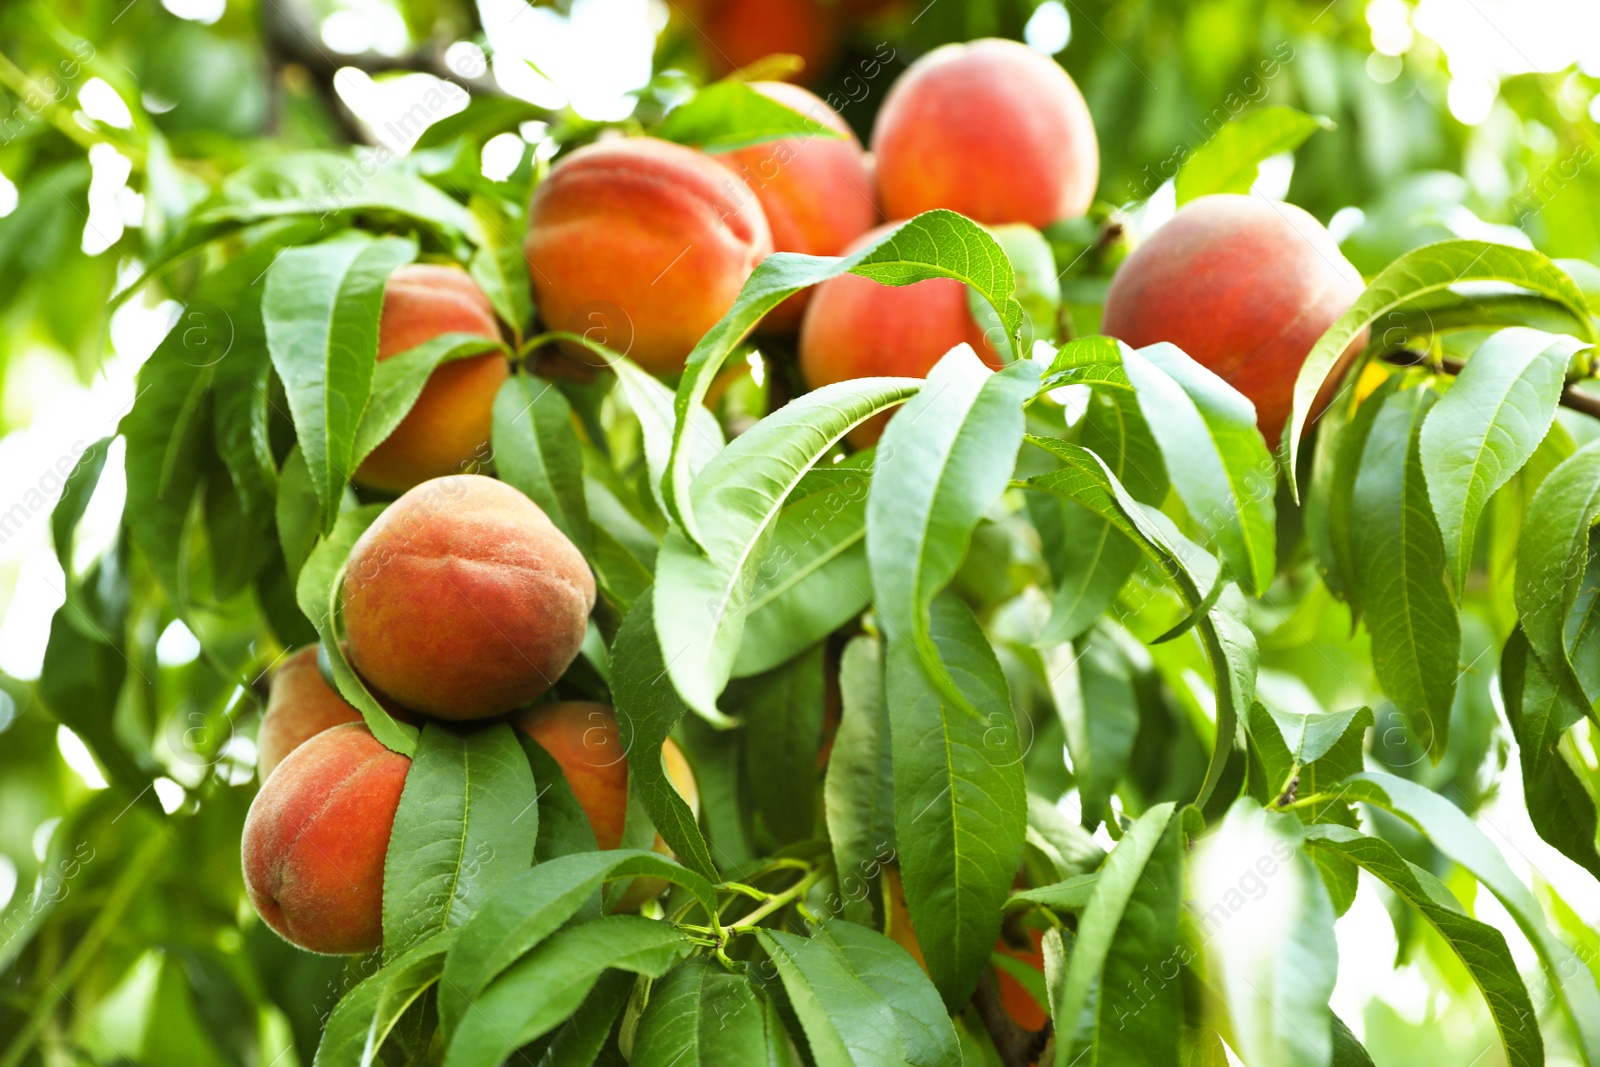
<point>1473,118</point>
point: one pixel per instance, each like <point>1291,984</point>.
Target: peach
<point>991,129</point>
<point>817,192</point>
<point>736,33</point>
<point>300,705</point>
<point>583,738</point>
<point>463,600</point>
<point>855,327</point>
<point>1244,285</point>
<point>315,840</point>
<point>641,245</point>
<point>449,426</point>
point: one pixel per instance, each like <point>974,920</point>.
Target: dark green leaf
<point>365,1016</point>
<point>700,1014</point>
<point>704,592</point>
<point>1091,683</point>
<point>1481,948</point>
<point>536,450</point>
<point>1400,570</point>
<point>648,707</point>
<point>859,790</point>
<point>535,994</point>
<point>1486,427</point>
<point>782,712</point>
<point>1106,1005</point>
<point>321,308</point>
<point>466,826</point>
<point>1417,273</point>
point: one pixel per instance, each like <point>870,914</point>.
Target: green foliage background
<point>128,938</point>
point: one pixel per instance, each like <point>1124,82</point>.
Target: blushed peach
<point>300,705</point>
<point>448,428</point>
<point>316,837</point>
<point>641,245</point>
<point>816,191</point>
<point>855,327</point>
<point>1245,286</point>
<point>991,129</point>
<point>463,600</point>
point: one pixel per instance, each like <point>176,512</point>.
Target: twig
<point>1571,397</point>
<point>1017,1047</point>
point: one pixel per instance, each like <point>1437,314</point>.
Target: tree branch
<point>1017,1047</point>
<point>1571,397</point>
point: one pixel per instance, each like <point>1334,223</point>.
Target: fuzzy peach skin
<point>642,245</point>
<point>583,738</point>
<point>736,33</point>
<point>315,839</point>
<point>449,426</point>
<point>817,192</point>
<point>463,600</point>
<point>991,129</point>
<point>855,327</point>
<point>1244,285</point>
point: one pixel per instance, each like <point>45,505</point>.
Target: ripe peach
<point>300,705</point>
<point>735,33</point>
<point>315,840</point>
<point>855,327</point>
<point>1245,286</point>
<point>641,245</point>
<point>991,129</point>
<point>449,425</point>
<point>584,739</point>
<point>463,600</point>
<point>817,192</point>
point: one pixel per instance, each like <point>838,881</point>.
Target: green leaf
<point>1073,894</point>
<point>399,380</point>
<point>583,1037</point>
<point>1422,271</point>
<point>364,1017</point>
<point>813,576</point>
<point>960,804</point>
<point>538,992</point>
<point>535,904</point>
<point>1551,566</point>
<point>563,827</point>
<point>861,998</point>
<point>1487,426</point>
<point>1341,442</point>
<point>318,591</point>
<point>298,514</point>
<point>1091,683</point>
<point>935,244</point>
<point>82,470</point>
<point>1309,736</point>
<point>536,450</point>
<point>1231,161</point>
<point>1480,947</point>
<point>1228,642</point>
<point>1103,1005</point>
<point>1347,1051</point>
<point>499,266</point>
<point>782,712</point>
<point>648,707</point>
<point>700,1014</point>
<point>1218,460</point>
<point>321,309</point>
<point>466,824</point>
<point>1458,837</point>
<point>705,592</point>
<point>858,793</point>
<point>1400,562</point>
<point>731,114</point>
<point>1272,953</point>
<point>1560,807</point>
